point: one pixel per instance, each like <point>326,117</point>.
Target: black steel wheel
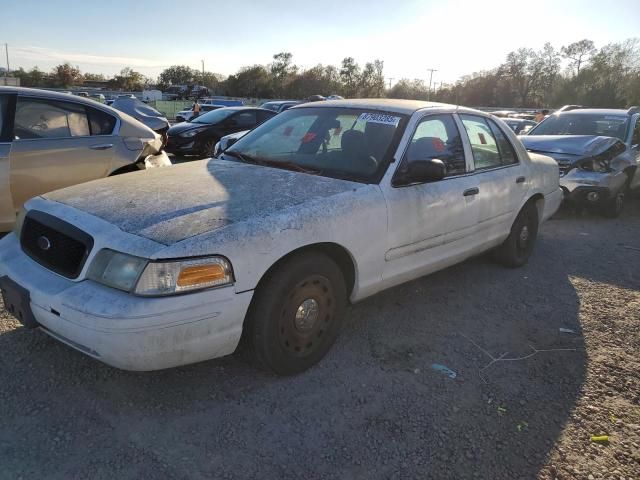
<point>296,313</point>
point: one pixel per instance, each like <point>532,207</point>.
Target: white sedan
<point>324,204</point>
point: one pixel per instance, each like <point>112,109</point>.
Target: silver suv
<point>598,153</point>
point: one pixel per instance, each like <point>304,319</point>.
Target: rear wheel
<point>296,314</point>
<point>516,249</point>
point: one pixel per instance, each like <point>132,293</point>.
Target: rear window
<point>583,124</point>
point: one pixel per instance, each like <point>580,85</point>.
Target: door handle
<point>471,191</point>
<point>520,180</point>
<point>103,146</point>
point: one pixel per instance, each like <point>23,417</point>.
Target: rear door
<point>502,179</point>
<point>53,146</point>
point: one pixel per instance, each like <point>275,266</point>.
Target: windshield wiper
<point>243,157</point>
<point>271,163</point>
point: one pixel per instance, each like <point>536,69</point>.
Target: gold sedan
<point>51,140</point>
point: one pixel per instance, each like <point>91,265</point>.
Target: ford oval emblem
<point>44,243</point>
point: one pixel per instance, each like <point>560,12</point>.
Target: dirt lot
<point>374,408</point>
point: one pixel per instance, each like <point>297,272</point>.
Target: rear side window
<point>507,153</point>
<point>437,136</point>
<point>101,123</point>
<point>245,119</point>
<point>36,118</point>
<point>635,140</point>
<point>489,145</point>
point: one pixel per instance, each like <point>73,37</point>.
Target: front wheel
<point>613,207</point>
<point>208,148</point>
<point>516,249</point>
<point>296,314</point>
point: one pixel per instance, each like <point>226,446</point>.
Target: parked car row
<point>262,248</point>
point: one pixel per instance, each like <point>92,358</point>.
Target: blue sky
<point>455,37</point>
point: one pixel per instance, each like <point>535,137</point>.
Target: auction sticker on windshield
<point>379,118</point>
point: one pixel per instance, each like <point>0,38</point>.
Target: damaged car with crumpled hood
<point>598,153</point>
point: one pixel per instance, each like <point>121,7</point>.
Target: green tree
<point>350,77</point>
<point>177,75</point>
<point>94,77</point>
<point>66,75</point>
<point>128,80</point>
<point>578,53</point>
<point>255,81</point>
<point>372,80</point>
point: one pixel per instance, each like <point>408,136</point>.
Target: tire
<point>207,150</point>
<point>614,206</point>
<point>279,334</point>
<point>517,248</point>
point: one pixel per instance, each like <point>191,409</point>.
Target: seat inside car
<point>378,137</point>
<point>355,152</point>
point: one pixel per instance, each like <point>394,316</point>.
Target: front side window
<point>437,137</point>
<point>584,124</point>
<point>347,143</point>
<point>37,118</point>
<point>490,147</point>
<point>635,140</point>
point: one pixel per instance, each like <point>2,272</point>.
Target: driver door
<point>431,225</point>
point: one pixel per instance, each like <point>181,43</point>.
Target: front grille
<point>55,244</point>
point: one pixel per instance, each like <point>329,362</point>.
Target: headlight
<point>190,133</point>
<point>596,164</point>
<point>151,278</point>
<point>167,278</point>
<point>117,270</point>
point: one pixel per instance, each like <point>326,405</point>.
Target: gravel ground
<point>374,408</point>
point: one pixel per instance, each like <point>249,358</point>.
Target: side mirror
<point>230,142</point>
<point>425,171</point>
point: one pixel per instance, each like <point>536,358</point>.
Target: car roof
<point>592,111</point>
<point>38,93</point>
<point>280,102</point>
<point>406,107</point>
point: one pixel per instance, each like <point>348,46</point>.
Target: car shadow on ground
<point>376,406</point>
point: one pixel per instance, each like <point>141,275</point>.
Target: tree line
<point>576,73</point>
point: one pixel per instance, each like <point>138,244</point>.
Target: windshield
<point>214,116</point>
<point>346,143</point>
<point>583,124</point>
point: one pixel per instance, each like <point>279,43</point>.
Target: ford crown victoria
<point>263,248</point>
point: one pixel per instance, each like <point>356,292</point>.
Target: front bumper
<point>122,330</point>
<point>178,145</point>
<point>591,188</point>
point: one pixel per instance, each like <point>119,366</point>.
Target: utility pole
<point>6,51</point>
<point>430,80</point>
<point>202,69</point>
<point>390,80</point>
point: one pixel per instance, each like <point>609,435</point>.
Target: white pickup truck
<point>324,204</point>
